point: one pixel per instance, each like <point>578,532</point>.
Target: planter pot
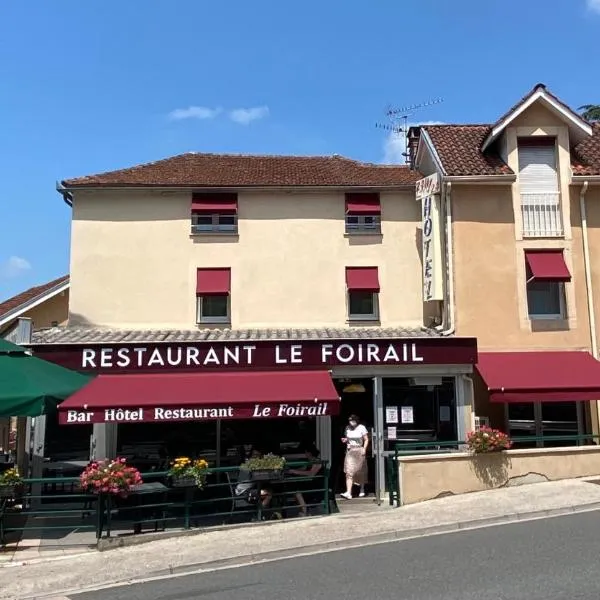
<point>266,474</point>
<point>183,482</point>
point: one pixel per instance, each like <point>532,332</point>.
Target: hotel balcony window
<point>547,274</point>
<point>362,284</point>
<point>363,213</point>
<point>539,188</point>
<point>213,287</point>
<point>214,213</point>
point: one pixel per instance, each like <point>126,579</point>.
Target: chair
<point>241,502</point>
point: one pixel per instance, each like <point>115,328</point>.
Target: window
<point>362,284</point>
<point>546,300</point>
<point>213,309</point>
<point>363,306</point>
<point>206,223</point>
<point>363,223</point>
<point>213,290</point>
<point>363,213</point>
<point>539,188</point>
<point>547,273</point>
<point>214,213</point>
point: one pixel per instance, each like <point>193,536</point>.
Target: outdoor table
<point>64,468</point>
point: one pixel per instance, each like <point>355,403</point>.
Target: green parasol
<point>30,386</point>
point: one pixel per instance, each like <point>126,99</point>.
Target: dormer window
<point>539,187</point>
<point>214,213</point>
<point>363,213</point>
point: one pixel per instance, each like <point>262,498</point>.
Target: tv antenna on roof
<point>398,118</point>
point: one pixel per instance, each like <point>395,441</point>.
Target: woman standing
<point>356,438</point>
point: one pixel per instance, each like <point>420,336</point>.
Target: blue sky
<point>93,86</point>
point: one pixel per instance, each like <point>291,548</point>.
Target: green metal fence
<point>58,504</point>
<point>442,447</point>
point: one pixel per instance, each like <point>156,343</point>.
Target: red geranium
<point>109,477</point>
<point>487,439</point>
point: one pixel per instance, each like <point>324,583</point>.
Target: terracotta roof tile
<point>459,149</point>
<point>67,335</point>
<point>223,170</point>
<point>29,295</point>
<point>586,155</point>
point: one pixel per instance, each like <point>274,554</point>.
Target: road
<point>534,560</point>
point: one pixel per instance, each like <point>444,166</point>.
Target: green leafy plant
<point>10,477</point>
<point>486,439</point>
<point>186,468</point>
<point>268,462</point>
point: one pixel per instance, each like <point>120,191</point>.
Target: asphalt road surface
<point>556,559</point>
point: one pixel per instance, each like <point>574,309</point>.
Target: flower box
<point>7,491</point>
<point>183,482</point>
<point>266,474</point>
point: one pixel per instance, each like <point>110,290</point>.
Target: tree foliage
<point>590,112</point>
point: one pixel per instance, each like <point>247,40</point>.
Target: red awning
<point>547,265</point>
<point>151,397</point>
<point>363,204</point>
<point>362,279</point>
<point>213,282</point>
<point>214,203</point>
<point>540,376</point>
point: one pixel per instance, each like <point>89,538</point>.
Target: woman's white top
<point>355,436</point>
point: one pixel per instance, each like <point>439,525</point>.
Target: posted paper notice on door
<point>407,414</point>
<point>391,433</point>
<point>391,414</point>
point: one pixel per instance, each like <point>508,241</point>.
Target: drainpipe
<point>450,323</point>
<point>589,289</point>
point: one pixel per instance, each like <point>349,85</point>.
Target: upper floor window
<point>539,187</point>
<point>213,292</point>
<point>363,213</point>
<point>362,284</point>
<point>214,213</point>
<point>547,274</point>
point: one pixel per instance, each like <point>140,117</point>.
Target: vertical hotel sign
<point>428,193</point>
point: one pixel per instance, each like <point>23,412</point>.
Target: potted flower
<point>185,472</point>
<point>487,439</point>
<point>112,477</point>
<point>269,466</point>
<point>9,481</point>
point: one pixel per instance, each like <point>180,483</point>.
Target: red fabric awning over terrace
<point>155,397</point>
<point>540,376</point>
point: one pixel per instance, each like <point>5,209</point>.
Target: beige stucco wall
<point>133,261</point>
<point>490,276</point>
<point>54,310</point>
<point>427,477</point>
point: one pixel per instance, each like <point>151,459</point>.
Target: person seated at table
<point>246,486</point>
<point>312,454</point>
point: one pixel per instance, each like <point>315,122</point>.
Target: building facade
<point>231,266</point>
<point>523,198</point>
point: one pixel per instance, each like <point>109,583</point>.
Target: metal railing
<point>541,215</point>
<point>54,504</point>
<point>441,447</point>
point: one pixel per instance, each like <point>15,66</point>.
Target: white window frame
<point>200,319</point>
<point>362,226</point>
<point>374,316</point>
<point>550,316</point>
<point>216,226</point>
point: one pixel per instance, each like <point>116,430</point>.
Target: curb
<point>299,551</point>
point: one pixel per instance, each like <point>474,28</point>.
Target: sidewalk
<point>352,527</point>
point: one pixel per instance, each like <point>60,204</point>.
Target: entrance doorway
<point>357,399</point>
